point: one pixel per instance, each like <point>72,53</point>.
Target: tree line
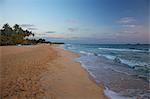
<point>16,35</point>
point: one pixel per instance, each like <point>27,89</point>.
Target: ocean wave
<point>133,63</point>
<point>70,48</point>
<point>124,61</point>
<point>113,95</point>
<point>108,56</point>
<point>83,52</point>
<point>87,53</point>
<point>115,49</point>
<point>141,68</point>
<point>126,73</point>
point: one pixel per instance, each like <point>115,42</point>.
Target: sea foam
<point>113,95</point>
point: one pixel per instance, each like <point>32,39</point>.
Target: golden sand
<point>44,72</point>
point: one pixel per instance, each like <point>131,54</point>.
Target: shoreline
<point>108,94</point>
<point>110,73</point>
<point>44,71</point>
<point>88,73</point>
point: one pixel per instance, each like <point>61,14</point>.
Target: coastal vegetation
<point>16,35</point>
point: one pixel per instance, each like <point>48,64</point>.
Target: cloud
<point>129,32</point>
<point>27,25</point>
<point>31,28</point>
<point>73,29</point>
<point>50,32</point>
<point>42,34</point>
<point>126,20</point>
<point>129,25</point>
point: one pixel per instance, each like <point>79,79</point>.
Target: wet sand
<point>44,72</point>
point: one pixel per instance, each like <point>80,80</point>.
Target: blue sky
<point>80,21</point>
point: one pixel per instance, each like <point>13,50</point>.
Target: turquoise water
<point>123,69</point>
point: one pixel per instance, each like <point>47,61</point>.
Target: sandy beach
<point>44,72</point>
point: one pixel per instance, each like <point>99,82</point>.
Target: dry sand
<point>44,72</point>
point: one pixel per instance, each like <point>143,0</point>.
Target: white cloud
<point>27,25</point>
<point>126,20</point>
<point>50,32</point>
<point>73,29</point>
<point>129,25</point>
<point>32,28</point>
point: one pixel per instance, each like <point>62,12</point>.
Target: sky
<point>80,21</point>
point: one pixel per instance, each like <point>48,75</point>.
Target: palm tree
<point>6,30</point>
<point>16,28</point>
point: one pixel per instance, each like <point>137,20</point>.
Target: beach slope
<point>44,72</point>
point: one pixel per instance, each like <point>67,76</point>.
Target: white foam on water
<point>70,48</point>
<point>87,53</point>
<point>114,49</point>
<point>113,95</point>
<point>124,61</point>
<point>132,63</point>
<point>121,72</point>
<point>82,52</point>
<point>110,57</point>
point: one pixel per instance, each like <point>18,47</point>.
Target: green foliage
<point>16,35</point>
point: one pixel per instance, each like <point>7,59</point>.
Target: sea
<point>123,69</point>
